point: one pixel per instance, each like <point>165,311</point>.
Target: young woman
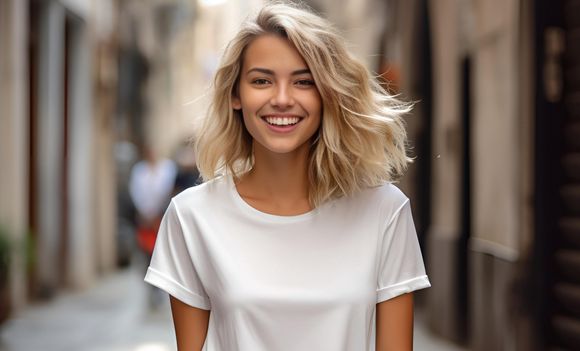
<point>297,240</point>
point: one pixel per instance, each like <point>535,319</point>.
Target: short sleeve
<point>401,268</point>
<point>171,268</point>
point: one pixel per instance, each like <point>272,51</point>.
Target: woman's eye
<point>305,82</point>
<point>260,81</point>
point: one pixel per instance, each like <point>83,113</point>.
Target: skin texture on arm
<point>190,325</point>
<point>395,324</point>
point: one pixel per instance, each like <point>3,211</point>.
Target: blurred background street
<point>99,98</point>
<point>112,316</point>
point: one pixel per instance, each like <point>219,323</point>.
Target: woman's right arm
<point>190,324</point>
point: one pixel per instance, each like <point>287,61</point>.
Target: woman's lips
<point>282,123</point>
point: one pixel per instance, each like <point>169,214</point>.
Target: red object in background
<point>390,72</point>
<point>146,237</point>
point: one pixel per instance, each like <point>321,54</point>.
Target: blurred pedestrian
<point>298,240</point>
<point>151,186</point>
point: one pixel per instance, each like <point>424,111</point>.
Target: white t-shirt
<point>287,283</point>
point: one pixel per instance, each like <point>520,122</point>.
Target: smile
<point>281,121</point>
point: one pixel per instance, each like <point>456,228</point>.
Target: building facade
<point>57,181</point>
<point>500,84</point>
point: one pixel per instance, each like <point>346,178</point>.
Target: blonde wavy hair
<point>362,140</point>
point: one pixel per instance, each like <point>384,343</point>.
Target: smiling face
<point>280,103</point>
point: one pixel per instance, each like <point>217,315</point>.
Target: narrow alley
<point>101,101</point>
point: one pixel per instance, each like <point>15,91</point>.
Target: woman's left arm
<point>395,324</point>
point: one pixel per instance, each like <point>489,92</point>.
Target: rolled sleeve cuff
<point>404,287</point>
<point>176,290</point>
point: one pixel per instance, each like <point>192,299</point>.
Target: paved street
<point>113,316</point>
<point>110,317</point>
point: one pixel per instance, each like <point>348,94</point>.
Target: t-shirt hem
<point>401,288</point>
<point>175,289</point>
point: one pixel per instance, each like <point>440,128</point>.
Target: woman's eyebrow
<point>301,71</point>
<point>270,72</point>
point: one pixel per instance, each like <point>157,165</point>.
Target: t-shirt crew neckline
<point>260,215</point>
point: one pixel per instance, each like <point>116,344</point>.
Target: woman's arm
<point>395,324</point>
<point>190,325</point>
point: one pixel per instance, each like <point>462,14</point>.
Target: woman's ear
<point>236,103</point>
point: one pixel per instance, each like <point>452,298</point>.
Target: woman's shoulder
<point>203,194</point>
<point>386,198</point>
<point>387,192</point>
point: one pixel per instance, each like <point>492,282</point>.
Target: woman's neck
<point>278,183</point>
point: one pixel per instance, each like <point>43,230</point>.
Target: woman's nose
<point>282,96</point>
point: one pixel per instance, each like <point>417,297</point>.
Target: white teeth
<point>282,121</point>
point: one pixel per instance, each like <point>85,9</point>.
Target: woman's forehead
<point>274,53</point>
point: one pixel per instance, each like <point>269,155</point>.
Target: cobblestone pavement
<point>114,316</point>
